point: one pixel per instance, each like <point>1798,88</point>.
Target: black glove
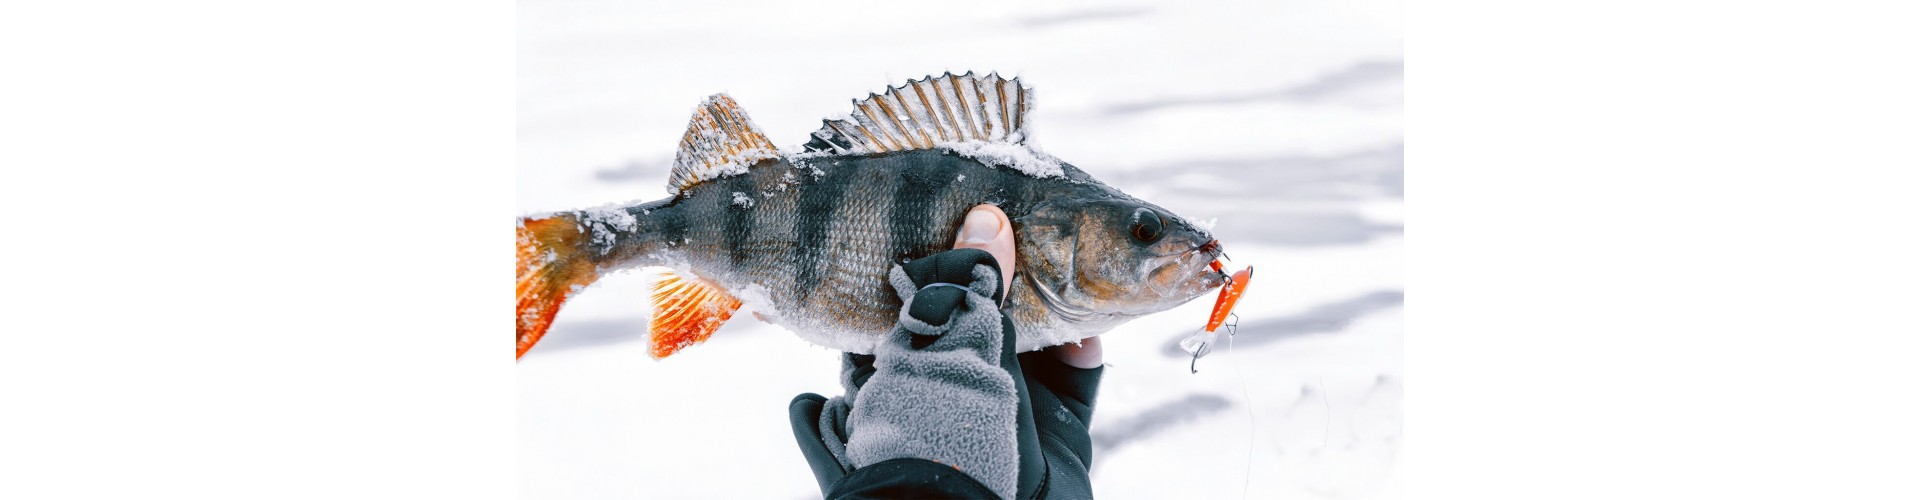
<point>945,392</point>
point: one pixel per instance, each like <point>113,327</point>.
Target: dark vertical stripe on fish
<point>672,220</point>
<point>819,204</point>
<point>739,227</point>
<point>910,220</point>
<point>1006,186</point>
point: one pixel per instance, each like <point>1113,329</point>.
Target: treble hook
<point>1199,350</point>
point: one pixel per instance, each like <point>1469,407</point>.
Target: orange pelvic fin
<point>551,269</point>
<point>685,312</point>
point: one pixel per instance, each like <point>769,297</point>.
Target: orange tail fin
<point>552,267</point>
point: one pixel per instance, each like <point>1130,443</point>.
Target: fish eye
<point>1147,226</point>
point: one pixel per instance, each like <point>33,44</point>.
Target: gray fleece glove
<point>942,387</point>
<point>938,391</point>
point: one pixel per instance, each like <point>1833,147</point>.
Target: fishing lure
<point>1201,342</point>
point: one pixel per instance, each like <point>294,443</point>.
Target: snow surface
<point>1280,120</point>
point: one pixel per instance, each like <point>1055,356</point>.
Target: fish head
<point>1103,260</point>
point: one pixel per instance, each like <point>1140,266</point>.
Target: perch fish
<point>806,238</point>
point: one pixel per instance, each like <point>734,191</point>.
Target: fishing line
<point>1326,433</point>
<point>1246,397</point>
<point>1197,343</point>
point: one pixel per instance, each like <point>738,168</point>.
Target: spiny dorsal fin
<point>720,141</point>
<point>929,111</point>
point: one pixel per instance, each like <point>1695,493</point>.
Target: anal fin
<point>685,312</point>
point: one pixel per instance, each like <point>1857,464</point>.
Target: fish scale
<point>808,239</point>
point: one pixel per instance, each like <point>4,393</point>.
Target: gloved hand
<point>945,392</point>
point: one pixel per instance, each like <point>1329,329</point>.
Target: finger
<point>987,228</point>
<point>1084,355</point>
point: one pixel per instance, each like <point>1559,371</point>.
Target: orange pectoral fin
<point>686,312</point>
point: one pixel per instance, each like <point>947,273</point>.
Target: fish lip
<point>1215,251</point>
<point>1218,278</point>
<point>1208,278</point>
<point>1210,248</point>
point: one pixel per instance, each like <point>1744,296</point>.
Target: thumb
<point>987,228</point>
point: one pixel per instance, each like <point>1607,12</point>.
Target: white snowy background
<point>1281,119</point>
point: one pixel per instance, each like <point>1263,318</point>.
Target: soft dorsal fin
<point>720,141</point>
<point>929,111</point>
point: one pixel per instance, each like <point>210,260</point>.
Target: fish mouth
<point>1210,248</point>
<point>1202,254</point>
<point>1173,263</point>
<point>1180,276</point>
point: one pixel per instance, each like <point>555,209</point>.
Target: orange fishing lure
<point>1229,295</point>
<point>1201,342</point>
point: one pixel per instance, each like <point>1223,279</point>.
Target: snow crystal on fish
<point>1015,156</point>
<point>805,161</point>
<point>605,223</point>
<point>1204,225</point>
<point>800,157</point>
<point>613,216</point>
<point>603,238</point>
<point>731,169</point>
<point>742,200</point>
<point>755,297</point>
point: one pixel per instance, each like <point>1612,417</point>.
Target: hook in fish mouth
<point>1212,246</point>
<point>1211,249</point>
